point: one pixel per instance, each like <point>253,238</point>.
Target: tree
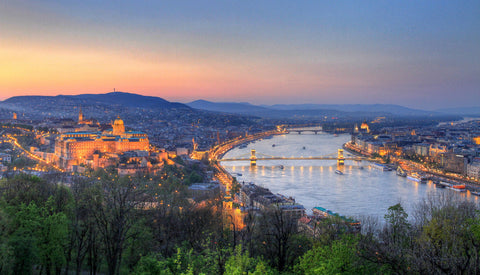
<point>52,240</point>
<point>115,202</point>
<point>397,228</point>
<point>24,239</point>
<point>392,250</point>
<point>447,242</point>
<point>339,257</point>
<point>6,250</point>
<point>241,263</point>
<point>274,236</point>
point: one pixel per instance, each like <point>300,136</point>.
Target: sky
<point>420,54</point>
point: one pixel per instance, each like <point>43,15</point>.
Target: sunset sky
<point>421,54</point>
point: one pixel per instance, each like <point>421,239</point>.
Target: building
<point>473,169</point>
<point>364,128</point>
<point>77,148</point>
<point>421,149</point>
<point>455,163</point>
<point>5,158</point>
<point>202,191</point>
<point>256,197</point>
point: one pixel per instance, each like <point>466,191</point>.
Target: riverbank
<point>218,151</point>
<point>410,166</point>
<point>356,193</point>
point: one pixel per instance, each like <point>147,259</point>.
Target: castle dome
<point>118,121</point>
<point>118,126</point>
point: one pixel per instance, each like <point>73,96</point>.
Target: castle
<point>85,147</point>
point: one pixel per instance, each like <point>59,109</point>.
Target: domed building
<point>364,127</point>
<point>75,148</point>
<point>118,127</point>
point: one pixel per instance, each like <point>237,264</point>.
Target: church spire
<point>80,115</point>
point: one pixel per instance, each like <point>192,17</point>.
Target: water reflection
<point>361,190</point>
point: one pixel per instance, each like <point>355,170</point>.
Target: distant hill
<point>461,111</point>
<point>308,110</point>
<point>226,107</point>
<point>114,98</point>
<point>103,107</point>
<point>369,108</point>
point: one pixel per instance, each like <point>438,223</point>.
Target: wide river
<point>360,191</point>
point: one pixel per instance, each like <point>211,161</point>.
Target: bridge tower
<point>253,158</point>
<point>340,157</point>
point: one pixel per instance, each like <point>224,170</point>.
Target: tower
<point>195,145</point>
<point>340,157</point>
<point>253,158</point>
<point>80,115</point>
<point>118,127</point>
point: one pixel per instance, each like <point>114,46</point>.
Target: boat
<point>379,166</point>
<point>458,188</point>
<point>303,147</point>
<point>400,172</point>
<point>444,184</point>
<point>417,177</point>
<point>281,167</point>
<point>338,172</point>
<point>273,145</point>
<point>476,193</point>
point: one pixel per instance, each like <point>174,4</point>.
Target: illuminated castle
<point>75,148</point>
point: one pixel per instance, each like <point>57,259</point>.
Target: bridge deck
<point>294,158</point>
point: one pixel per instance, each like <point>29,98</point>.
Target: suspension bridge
<point>254,157</point>
<point>299,131</point>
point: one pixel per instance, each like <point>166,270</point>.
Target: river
<point>360,191</point>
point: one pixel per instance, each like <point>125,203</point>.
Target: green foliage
<point>241,263</point>
<point>397,224</point>
<point>40,235</point>
<point>182,263</point>
<point>340,257</point>
<point>193,177</point>
<point>7,256</point>
<point>25,189</point>
<point>149,265</point>
<point>145,225</point>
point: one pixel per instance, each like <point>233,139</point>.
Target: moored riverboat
<point>457,188</point>
<point>379,166</point>
<point>417,177</point>
<point>400,172</point>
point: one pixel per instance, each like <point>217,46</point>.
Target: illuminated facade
<point>364,127</point>
<point>75,148</point>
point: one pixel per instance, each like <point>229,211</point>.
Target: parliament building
<point>87,148</point>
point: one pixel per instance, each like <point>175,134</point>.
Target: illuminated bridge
<point>314,130</point>
<point>339,157</point>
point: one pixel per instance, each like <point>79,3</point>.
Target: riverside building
<point>87,148</point>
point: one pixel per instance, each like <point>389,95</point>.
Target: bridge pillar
<point>340,157</point>
<point>253,158</point>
